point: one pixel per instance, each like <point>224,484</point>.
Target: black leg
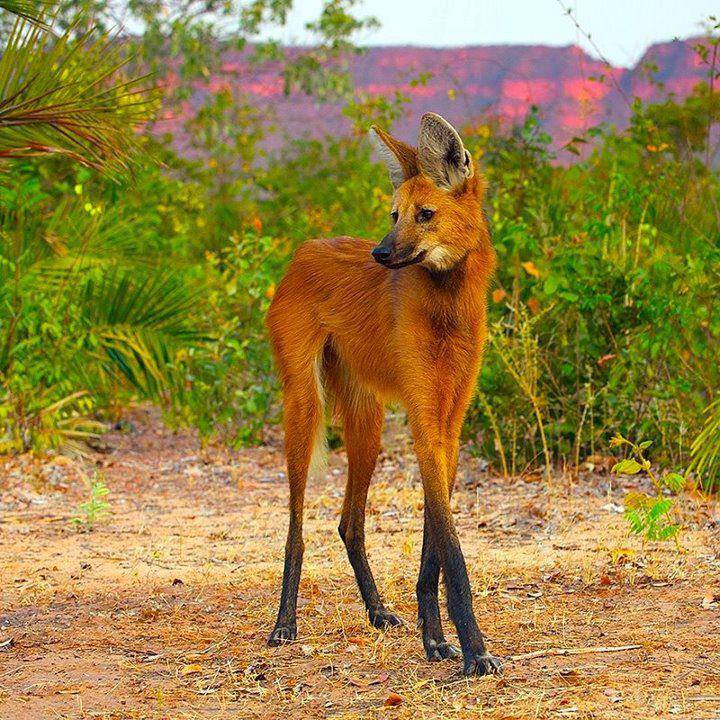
<point>363,425</point>
<point>302,419</point>
<point>436,647</point>
<point>286,625</point>
<point>477,661</point>
<point>444,541</point>
<point>378,614</point>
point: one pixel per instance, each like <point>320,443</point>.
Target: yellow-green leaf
<point>627,467</point>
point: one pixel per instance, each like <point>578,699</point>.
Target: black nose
<point>381,253</point>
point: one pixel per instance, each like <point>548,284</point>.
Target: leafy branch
<point>648,516</point>
<point>66,95</point>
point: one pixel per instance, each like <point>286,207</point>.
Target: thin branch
<point>550,652</point>
<point>568,11</point>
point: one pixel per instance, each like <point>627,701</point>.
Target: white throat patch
<point>439,258</point>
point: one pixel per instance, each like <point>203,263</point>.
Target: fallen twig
<point>573,651</point>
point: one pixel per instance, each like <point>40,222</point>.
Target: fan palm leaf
<point>66,95</point>
<point>706,448</point>
<point>30,10</point>
<point>136,317</point>
<point>140,326</point>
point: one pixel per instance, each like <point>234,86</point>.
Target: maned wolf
<point>358,325</point>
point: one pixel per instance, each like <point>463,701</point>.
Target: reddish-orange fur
<point>343,325</point>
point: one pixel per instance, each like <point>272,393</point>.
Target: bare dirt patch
<point>162,610</point>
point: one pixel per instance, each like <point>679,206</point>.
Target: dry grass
<point>163,610</point>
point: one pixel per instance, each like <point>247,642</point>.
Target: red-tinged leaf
<point>606,358</point>
<point>357,640</point>
<point>393,700</point>
<point>367,683</point>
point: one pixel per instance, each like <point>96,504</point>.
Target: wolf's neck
<point>452,279</point>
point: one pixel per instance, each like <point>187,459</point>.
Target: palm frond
<point>706,449</point>
<point>30,10</point>
<point>57,246</point>
<point>66,95</point>
<point>63,424</point>
<point>137,315</point>
<point>140,325</point>
<point>159,301</point>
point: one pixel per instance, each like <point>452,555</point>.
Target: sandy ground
<point>162,610</point>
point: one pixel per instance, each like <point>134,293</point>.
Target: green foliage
<point>518,349</point>
<point>648,516</point>
<point>64,95</point>
<point>89,311</point>
<point>113,293</point>
<point>320,70</point>
<point>233,390</point>
<point>96,508</point>
<point>706,449</point>
<point>614,259</point>
<point>604,311</point>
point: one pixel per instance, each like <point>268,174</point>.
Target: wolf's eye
<point>425,214</point>
<point>394,215</point>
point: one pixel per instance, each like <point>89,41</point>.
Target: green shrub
<point>604,314</point>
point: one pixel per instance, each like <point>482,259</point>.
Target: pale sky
<point>622,29</point>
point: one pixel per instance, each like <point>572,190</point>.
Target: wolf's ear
<point>441,153</point>
<point>400,158</point>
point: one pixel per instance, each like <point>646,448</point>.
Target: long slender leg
<point>434,452</point>
<point>363,418</point>
<point>303,415</point>
<point>436,647</point>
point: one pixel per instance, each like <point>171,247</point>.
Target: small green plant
<point>96,508</point>
<point>649,516</point>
